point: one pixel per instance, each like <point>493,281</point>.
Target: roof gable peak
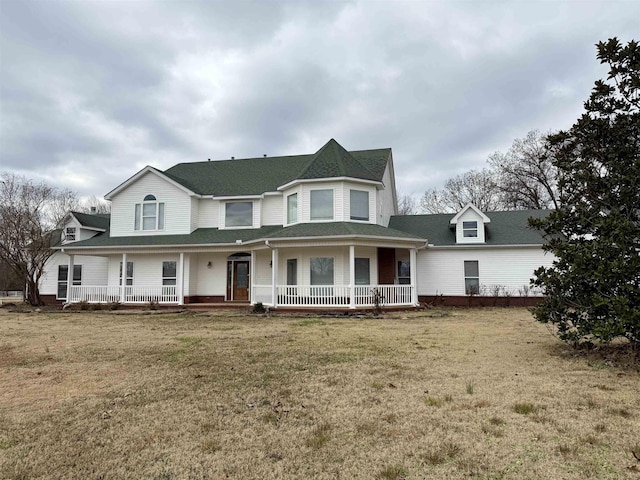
<point>469,206</point>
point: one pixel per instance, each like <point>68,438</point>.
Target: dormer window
<point>70,234</point>
<point>149,215</point>
<point>470,229</point>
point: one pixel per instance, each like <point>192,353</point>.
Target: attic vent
<point>93,209</point>
<point>264,155</point>
<point>233,158</point>
<point>208,159</point>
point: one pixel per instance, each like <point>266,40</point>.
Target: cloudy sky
<point>92,91</point>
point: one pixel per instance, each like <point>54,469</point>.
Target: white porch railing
<point>334,295</point>
<point>132,294</point>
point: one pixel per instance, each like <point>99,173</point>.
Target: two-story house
<point>315,230</point>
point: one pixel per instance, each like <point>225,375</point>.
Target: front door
<point>241,281</point>
<point>238,277</point>
<point>386,266</point>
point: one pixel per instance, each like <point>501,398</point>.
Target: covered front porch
<point>284,274</point>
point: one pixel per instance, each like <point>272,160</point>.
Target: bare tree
<point>29,213</point>
<point>525,175</point>
<point>407,204</point>
<point>94,204</point>
<point>475,186</point>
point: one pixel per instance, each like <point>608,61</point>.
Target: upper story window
<point>292,208</point>
<point>359,205</point>
<point>70,234</point>
<point>238,214</point>
<point>322,204</point>
<point>149,214</point>
<point>470,229</point>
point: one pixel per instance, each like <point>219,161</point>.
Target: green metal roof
<point>254,176</point>
<point>505,228</point>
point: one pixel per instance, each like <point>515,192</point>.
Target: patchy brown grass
<point>461,393</point>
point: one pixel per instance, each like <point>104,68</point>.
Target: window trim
<point>139,214</point>
<point>332,206</point>
<point>128,278</point>
<point>467,286</point>
<point>333,271</point>
<point>353,191</point>
<point>355,273</point>
<point>468,228</point>
<point>173,278</point>
<point>75,281</point>
<point>292,218</point>
<point>227,204</point>
<point>70,234</point>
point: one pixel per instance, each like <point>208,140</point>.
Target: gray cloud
<point>92,91</point>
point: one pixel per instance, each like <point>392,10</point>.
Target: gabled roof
<point>94,221</point>
<point>145,170</point>
<point>506,228</point>
<point>469,206</point>
<point>255,176</point>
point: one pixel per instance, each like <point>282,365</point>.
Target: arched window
<point>149,215</point>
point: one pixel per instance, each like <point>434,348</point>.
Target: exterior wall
<point>441,271</point>
<point>386,203</point>
<point>177,207</point>
<point>470,216</point>
<point>208,213</point>
<point>195,213</point>
<point>147,269</point>
<point>94,271</point>
<point>272,210</point>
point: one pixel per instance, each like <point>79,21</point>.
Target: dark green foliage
<point>593,288</point>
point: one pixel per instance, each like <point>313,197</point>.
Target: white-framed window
<point>322,204</point>
<point>149,215</point>
<point>129,278</point>
<point>470,229</point>
<point>471,277</point>
<point>362,273</point>
<point>359,205</point>
<point>292,271</point>
<point>321,270</point>
<point>292,208</point>
<point>404,272</point>
<point>70,234</point>
<point>238,214</point>
<point>169,275</point>
<point>63,277</point>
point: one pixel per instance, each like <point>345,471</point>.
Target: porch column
<point>352,276</point>
<point>181,279</point>
<point>274,277</point>
<point>123,278</point>
<point>69,277</point>
<point>413,265</point>
<point>252,272</point>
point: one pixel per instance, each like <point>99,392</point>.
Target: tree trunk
<point>33,293</point>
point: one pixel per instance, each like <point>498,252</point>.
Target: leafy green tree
<point>593,288</point>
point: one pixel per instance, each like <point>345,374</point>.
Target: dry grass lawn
<point>431,394</point>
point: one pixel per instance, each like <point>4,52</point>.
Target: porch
<point>334,296</point>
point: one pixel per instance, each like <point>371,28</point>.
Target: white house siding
<point>469,216</point>
<point>208,213</point>
<point>441,271</point>
<point>272,210</point>
<point>195,213</point>
<point>386,202</point>
<point>94,271</point>
<point>210,281</point>
<point>147,269</point>
<point>177,207</point>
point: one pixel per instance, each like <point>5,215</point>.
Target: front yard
<point>485,393</point>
